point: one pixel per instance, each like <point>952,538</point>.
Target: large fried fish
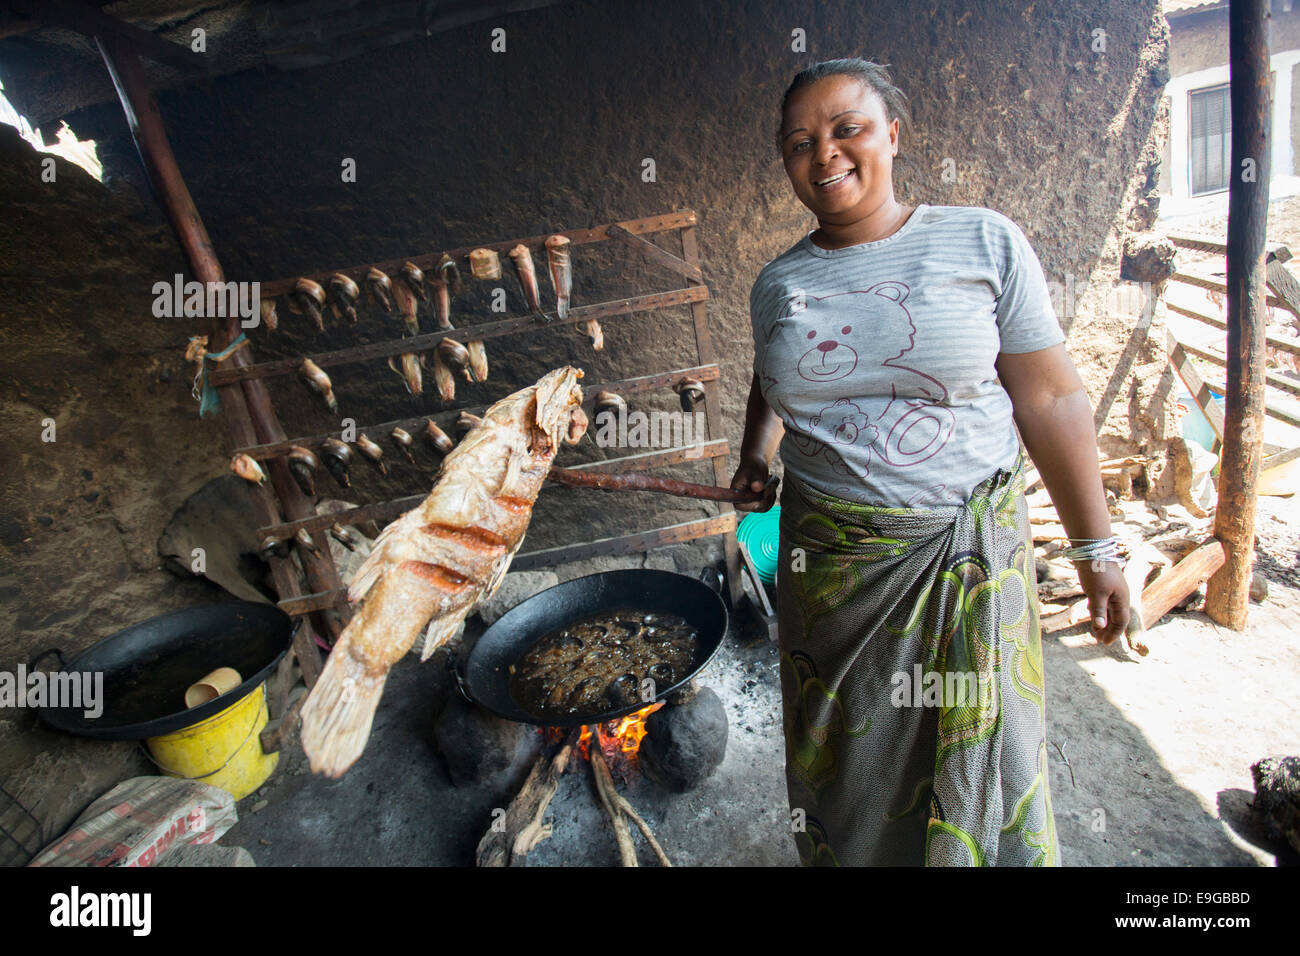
<point>432,566</point>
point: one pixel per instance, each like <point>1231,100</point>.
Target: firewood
<point>1181,580</point>
<point>507,843</point>
<point>605,788</point>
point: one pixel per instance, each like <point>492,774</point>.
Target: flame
<point>621,736</point>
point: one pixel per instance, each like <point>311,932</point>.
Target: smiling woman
<point>899,349</point>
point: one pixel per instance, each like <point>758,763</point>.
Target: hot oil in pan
<point>598,663</point>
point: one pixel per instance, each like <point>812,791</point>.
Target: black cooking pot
<point>148,666</point>
<point>486,678</point>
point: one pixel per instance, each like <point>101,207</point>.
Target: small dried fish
<point>455,355</point>
<point>691,393</point>
<point>408,306</point>
<point>442,305</point>
<point>557,259</point>
<point>402,439</point>
<point>595,333</point>
<point>343,297</point>
<point>337,457</point>
<point>478,364</point>
<point>485,264</point>
<point>308,298</point>
<point>269,317</point>
<point>443,377</point>
<point>344,537</point>
<point>319,382</point>
<point>439,438</point>
<point>449,273</point>
<point>304,539</point>
<point>273,548</point>
<point>380,288</point>
<point>247,468</point>
<point>372,452</point>
<point>465,422</point>
<point>610,402</point>
<point>410,371</point>
<point>302,466</point>
<point>523,260</point>
<point>414,279</point>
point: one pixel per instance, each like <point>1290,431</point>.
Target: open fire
<point>621,737</point>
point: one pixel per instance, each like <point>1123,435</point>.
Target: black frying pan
<point>147,667</point>
<point>486,679</point>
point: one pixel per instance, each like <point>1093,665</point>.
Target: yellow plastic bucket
<point>224,750</point>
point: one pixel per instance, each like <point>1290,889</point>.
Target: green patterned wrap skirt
<point>912,681</point>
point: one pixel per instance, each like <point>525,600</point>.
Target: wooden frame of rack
<point>714,447</point>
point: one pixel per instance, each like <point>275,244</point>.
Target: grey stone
<point>1258,587</point>
<point>474,743</point>
<point>685,744</point>
<point>517,587</point>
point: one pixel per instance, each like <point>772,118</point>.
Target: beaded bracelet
<point>1097,549</point>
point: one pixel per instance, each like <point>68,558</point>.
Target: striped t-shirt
<point>879,357</point>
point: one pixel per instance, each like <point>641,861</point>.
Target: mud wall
<point>455,144</point>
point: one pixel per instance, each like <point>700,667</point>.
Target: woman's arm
<point>1055,420</point>
<point>763,430</point>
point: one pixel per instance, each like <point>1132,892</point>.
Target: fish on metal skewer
<point>465,423</point>
<point>337,457</point>
<point>408,305</point>
<point>413,276</point>
<point>270,318</point>
<point>431,567</point>
<point>691,393</point>
<point>319,382</point>
<point>478,363</point>
<point>308,298</point>
<point>344,537</point>
<point>449,273</point>
<point>523,260</point>
<point>557,261</point>
<point>302,466</point>
<point>380,288</point>
<point>410,371</point>
<point>440,440</point>
<point>305,539</point>
<point>371,452</point>
<point>246,467</point>
<point>402,439</point>
<point>343,297</point>
<point>443,377</point>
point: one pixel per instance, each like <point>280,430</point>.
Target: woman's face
<point>838,149</point>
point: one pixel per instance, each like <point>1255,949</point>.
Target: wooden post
<point>1234,521</point>
<point>248,412</point>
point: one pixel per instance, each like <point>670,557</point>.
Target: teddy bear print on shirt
<point>840,334</point>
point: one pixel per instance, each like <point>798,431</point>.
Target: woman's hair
<point>874,76</point>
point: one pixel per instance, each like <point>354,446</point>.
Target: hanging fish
<point>337,457</point>
<point>595,334</point>
<point>478,366</point>
<point>402,439</point>
<point>410,371</point>
<point>380,288</point>
<point>454,355</point>
<point>466,421</point>
<point>269,317</point>
<point>439,438</point>
<point>691,393</point>
<point>408,306</point>
<point>485,264</point>
<point>344,537</point>
<point>557,260</point>
<point>414,278</point>
<point>610,403</point>
<point>304,539</point>
<point>373,453</point>
<point>247,468</point>
<point>308,298</point>
<point>302,466</point>
<point>273,548</point>
<point>442,305</point>
<point>449,273</point>
<point>319,382</point>
<point>523,260</point>
<point>343,297</point>
<point>443,377</point>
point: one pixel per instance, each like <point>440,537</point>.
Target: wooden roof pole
<point>1243,433</point>
<point>246,406</point>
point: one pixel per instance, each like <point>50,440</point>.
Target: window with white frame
<point>1209,151</point>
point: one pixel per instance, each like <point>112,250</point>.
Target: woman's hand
<point>1108,598</point>
<point>752,475</point>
